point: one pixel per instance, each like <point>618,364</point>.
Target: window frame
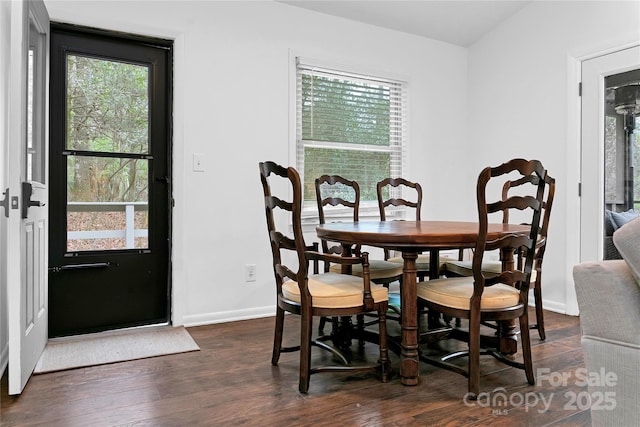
<point>398,148</point>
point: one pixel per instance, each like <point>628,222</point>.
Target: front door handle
<point>27,191</point>
<point>5,202</point>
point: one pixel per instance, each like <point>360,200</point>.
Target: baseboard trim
<point>552,306</point>
<point>259,312</point>
<point>228,316</point>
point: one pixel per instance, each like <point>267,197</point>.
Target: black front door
<point>110,174</point>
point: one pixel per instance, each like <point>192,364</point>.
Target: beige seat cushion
<point>422,263</point>
<point>456,292</point>
<point>332,290</point>
<point>378,269</point>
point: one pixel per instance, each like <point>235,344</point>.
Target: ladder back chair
<point>489,297</point>
<point>334,190</point>
<point>315,295</point>
<point>393,193</point>
<point>489,267</point>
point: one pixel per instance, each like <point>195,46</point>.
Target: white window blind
<point>351,125</point>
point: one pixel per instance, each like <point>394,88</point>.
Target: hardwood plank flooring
<point>231,382</point>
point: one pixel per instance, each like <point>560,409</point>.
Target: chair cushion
<point>422,262</point>
<point>378,269</point>
<point>627,240</point>
<point>463,268</point>
<point>332,290</point>
<point>456,293</point>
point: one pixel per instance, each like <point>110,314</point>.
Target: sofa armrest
<point>609,301</point>
<point>614,400</point>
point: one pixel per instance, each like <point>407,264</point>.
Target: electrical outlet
<point>250,273</point>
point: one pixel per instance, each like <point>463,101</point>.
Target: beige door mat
<point>114,346</point>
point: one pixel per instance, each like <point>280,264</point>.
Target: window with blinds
<point>350,125</point>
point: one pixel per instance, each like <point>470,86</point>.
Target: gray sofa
<point>608,295</point>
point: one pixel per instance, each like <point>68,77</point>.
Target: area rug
<point>116,346</point>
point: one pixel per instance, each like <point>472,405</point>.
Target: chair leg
<point>474,355</point>
<point>305,351</point>
<point>525,337</point>
<point>382,331</point>
<point>537,294</point>
<point>323,321</point>
<point>277,336</point>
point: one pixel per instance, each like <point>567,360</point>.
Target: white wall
<point>523,102</point>
<point>232,105</point>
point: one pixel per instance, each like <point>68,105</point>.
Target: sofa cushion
<point>609,225</point>
<point>621,218</point>
<point>627,240</point>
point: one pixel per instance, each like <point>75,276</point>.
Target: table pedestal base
<point>409,360</point>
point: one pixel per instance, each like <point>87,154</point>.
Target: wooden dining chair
<point>393,193</point>
<point>316,295</point>
<point>494,267</point>
<point>503,297</point>
<point>334,190</point>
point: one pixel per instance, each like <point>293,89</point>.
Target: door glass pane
<point>107,106</point>
<point>107,196</point>
<point>611,182</point>
<point>107,203</point>
<point>621,155</point>
<point>30,148</point>
<point>35,166</point>
<point>622,150</point>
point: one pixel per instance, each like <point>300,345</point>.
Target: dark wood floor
<point>230,381</point>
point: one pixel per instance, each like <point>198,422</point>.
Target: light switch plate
<point>250,273</point>
<point>198,162</point>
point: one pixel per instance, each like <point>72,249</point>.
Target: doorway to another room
<point>622,154</point>
<point>610,163</point>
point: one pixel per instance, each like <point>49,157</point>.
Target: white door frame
<point>594,72</point>
<point>574,163</point>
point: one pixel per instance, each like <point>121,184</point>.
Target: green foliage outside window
<point>344,111</point>
<point>367,168</point>
<point>107,112</point>
<point>353,118</point>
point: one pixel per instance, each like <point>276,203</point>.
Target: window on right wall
<point>348,124</point>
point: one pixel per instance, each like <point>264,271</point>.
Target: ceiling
<point>455,21</point>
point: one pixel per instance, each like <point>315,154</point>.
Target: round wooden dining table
<point>412,238</point>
